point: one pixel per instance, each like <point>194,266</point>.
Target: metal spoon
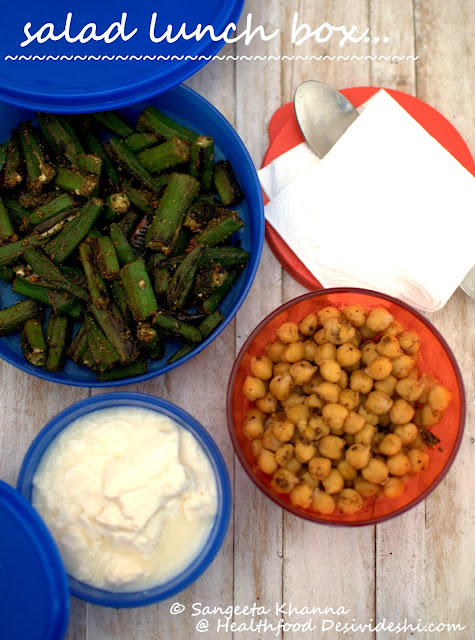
<point>323,115</point>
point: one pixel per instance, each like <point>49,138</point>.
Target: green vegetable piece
<point>181,353</point>
<point>201,161</point>
<point>180,192</point>
<point>95,283</point>
<point>77,182</point>
<point>224,256</point>
<point>211,303</point>
<point>90,163</point>
<point>102,351</point>
<point>13,251</point>
<point>6,274</point>
<point>182,280</point>
<point>219,229</point>
<point>94,146</point>
<point>161,281</point>
<point>226,183</point>
<point>176,328</point>
<point>6,227</point>
<point>136,369</point>
<point>106,257</point>
<point>48,271</point>
<point>139,290</point>
<point>63,245</point>
<point>200,213</point>
<point>38,171</point>
<point>61,301</point>
<point>151,340</point>
<point>139,141</point>
<point>209,324</point>
<point>115,122</point>
<point>12,318</point>
<point>166,155</point>
<point>57,333</point>
<point>116,331</point>
<point>18,214</point>
<point>181,243</point>
<point>13,174</point>
<point>32,342</point>
<point>123,248</point>
<point>151,119</point>
<point>144,200</point>
<point>78,347</point>
<point>129,162</point>
<point>64,303</point>
<point>55,224</point>
<point>120,298</point>
<point>61,142</point>
<point>61,203</point>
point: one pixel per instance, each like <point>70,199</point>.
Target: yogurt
<point>129,496</point>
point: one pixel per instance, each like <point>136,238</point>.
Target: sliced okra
<point>12,318</point>
<point>32,342</point>
<point>95,146</point>
<point>106,257</point>
<point>224,256</point>
<point>115,122</point>
<point>113,326</point>
<point>144,200</point>
<point>13,174</point>
<point>38,171</point>
<point>61,142</point>
<point>211,303</point>
<point>58,204</point>
<point>139,290</point>
<point>151,119</point>
<point>141,140</point>
<point>57,333</point>
<point>89,163</point>
<point>200,212</point>
<point>120,298</point>
<point>118,373</point>
<point>124,249</point>
<point>75,181</point>
<point>226,183</point>
<point>201,161</point>
<point>7,232</point>
<point>102,351</point>
<point>10,253</point>
<point>95,283</point>
<point>219,229</point>
<point>177,329</point>
<point>49,272</point>
<point>129,162</point>
<point>166,155</point>
<point>151,341</point>
<point>183,278</point>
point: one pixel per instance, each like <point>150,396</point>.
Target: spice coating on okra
<point>119,231</point>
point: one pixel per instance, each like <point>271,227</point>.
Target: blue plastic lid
<point>34,594</point>
<point>55,71</point>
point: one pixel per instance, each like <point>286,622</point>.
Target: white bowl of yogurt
<point>135,493</point>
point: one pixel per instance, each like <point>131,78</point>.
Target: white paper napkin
<point>388,208</point>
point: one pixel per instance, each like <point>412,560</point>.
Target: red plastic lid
<point>284,134</point>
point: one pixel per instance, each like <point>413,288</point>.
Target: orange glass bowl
<point>435,359</point>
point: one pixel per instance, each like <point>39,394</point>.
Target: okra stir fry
<point>340,410</point>
<point>124,233</point>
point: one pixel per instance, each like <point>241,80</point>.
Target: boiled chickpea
<point>348,472</point>
<point>429,416</point>
<point>302,372</point>
<point>357,339</point>
<point>330,370</point>
<point>294,465</point>
<point>253,388</point>
<point>256,446</point>
<point>361,381</point>
<point>349,398</point>
<point>284,454</point>
<point>367,333</point>
<point>409,389</point>
<point>295,398</point>
<point>355,314</point>
<point>378,402</point>
<point>282,386</point>
<point>314,402</point>
<point>283,480</point>
<point>390,444</point>
<point>287,332</point>
<point>301,496</point>
<point>393,487</point>
<point>328,391</point>
<point>280,368</point>
<point>349,501</point>
<point>267,404</point>
<point>324,352</point>
<point>253,428</point>
<point>261,367</point>
<point>375,471</point>
<point>388,385</point>
<point>366,489</point>
<point>307,479</point>
<point>310,349</point>
<point>297,412</point>
<point>319,468</point>
<point>379,319</point>
<point>320,337</point>
<point>368,352</point>
<point>323,502</point>
<point>393,329</point>
<point>401,412</point>
<point>348,355</point>
<point>410,342</point>
<point>353,423</point>
<point>439,398</point>
<point>274,350</point>
<point>334,415</point>
<point>328,312</point>
<point>293,352</point>
<point>402,366</point>
<point>266,461</point>
<point>379,368</point>
<point>319,427</point>
<point>399,464</point>
<point>283,430</point>
<point>366,434</point>
<point>255,413</point>
<point>304,451</point>
<point>358,455</point>
<point>419,460</point>
<point>334,482</point>
<point>369,416</point>
<point>407,432</point>
<point>331,447</point>
<point>338,332</point>
<point>269,441</point>
<point>428,383</point>
<point>308,324</point>
<point>389,346</point>
<point>343,381</point>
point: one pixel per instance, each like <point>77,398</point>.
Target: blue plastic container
<point>67,75</point>
<point>190,109</point>
<point>218,532</point>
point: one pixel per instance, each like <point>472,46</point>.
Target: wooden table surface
<point>417,567</point>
